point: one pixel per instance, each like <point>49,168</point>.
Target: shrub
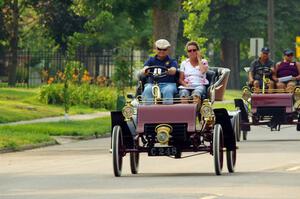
<point>51,94</point>
<point>121,75</point>
<point>84,94</point>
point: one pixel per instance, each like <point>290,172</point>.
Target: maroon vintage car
<point>273,109</point>
<point>171,130</point>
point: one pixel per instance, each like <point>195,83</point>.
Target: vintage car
<point>171,130</point>
<point>271,108</point>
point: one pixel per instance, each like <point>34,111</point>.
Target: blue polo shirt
<point>168,63</point>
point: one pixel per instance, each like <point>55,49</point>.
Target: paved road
<point>268,167</point>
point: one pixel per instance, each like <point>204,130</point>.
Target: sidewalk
<point>61,118</point>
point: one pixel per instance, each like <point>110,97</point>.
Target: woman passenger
<point>287,72</point>
<point>193,74</point>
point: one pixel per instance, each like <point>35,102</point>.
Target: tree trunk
<point>12,69</point>
<point>166,23</point>
<point>230,59</point>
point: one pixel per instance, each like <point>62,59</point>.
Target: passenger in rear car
<point>287,72</point>
<point>193,74</point>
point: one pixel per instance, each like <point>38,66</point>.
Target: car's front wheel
<point>218,145</point>
<point>117,150</point>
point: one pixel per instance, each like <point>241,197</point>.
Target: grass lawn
<point>232,94</point>
<point>18,104</point>
<point>22,104</point>
<point>16,136</point>
<point>228,102</point>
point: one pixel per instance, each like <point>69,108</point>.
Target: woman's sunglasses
<point>290,55</point>
<point>192,50</point>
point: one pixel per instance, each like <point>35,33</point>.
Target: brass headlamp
<point>207,112</point>
<point>246,93</point>
<point>297,97</point>
<point>128,111</point>
<point>163,133</point>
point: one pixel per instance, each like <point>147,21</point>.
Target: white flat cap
<point>162,44</point>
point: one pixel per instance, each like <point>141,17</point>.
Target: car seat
<point>217,77</point>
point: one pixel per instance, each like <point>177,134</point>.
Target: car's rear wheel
<point>231,160</point>
<point>117,150</point>
<point>218,148</point>
<point>237,127</point>
<point>298,125</point>
<point>134,162</point>
<point>245,134</point>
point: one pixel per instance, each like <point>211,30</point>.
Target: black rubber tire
<point>231,160</point>
<point>298,125</point>
<point>117,145</point>
<point>134,162</point>
<point>218,144</point>
<point>237,127</point>
<point>245,134</point>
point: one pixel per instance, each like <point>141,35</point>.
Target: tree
<point>126,23</point>
<point>10,13</point>
<point>112,23</point>
<point>59,19</point>
<point>230,22</point>
<point>198,12</point>
<point>286,29</point>
<point>166,20</point>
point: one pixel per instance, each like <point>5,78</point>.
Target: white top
<point>192,75</point>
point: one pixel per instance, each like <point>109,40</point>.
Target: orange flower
<point>50,80</point>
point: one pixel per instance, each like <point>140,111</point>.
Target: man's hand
<point>251,81</point>
<point>144,70</point>
<point>172,71</point>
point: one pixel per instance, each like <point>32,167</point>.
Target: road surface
<point>268,166</point>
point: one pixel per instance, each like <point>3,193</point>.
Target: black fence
<point>36,67</point>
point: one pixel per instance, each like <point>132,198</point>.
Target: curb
<point>79,138</point>
<point>29,147</point>
<point>52,143</point>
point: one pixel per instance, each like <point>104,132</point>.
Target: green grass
<point>22,104</point>
<point>17,136</point>
<point>232,94</point>
<point>228,102</point>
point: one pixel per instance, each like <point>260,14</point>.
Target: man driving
<point>166,84</point>
<point>259,67</point>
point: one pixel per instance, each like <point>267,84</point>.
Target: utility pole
<point>271,28</point>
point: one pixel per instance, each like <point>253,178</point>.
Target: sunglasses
<point>290,55</point>
<point>160,49</point>
<point>192,50</point>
